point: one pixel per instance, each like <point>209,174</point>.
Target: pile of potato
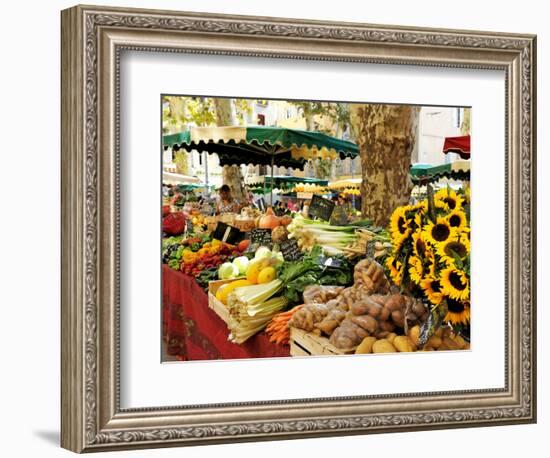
<point>367,317</point>
<point>443,339</point>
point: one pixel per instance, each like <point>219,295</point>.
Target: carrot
<point>278,329</point>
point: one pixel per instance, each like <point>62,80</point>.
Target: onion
<point>269,220</point>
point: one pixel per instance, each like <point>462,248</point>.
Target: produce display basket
<point>218,307</point>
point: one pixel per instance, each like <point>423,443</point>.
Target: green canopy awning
<point>430,173</point>
<point>259,145</point>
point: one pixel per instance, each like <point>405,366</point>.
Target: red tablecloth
<point>193,331</point>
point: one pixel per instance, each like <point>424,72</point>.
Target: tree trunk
<point>231,175</point>
<point>386,136</point>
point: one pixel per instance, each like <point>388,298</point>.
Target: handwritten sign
<point>291,251</point>
<point>321,208</point>
<point>261,237</point>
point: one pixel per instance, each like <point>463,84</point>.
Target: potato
<point>414,335</point>
<point>460,341</point>
<point>382,334</point>
<point>390,337</point>
<point>386,326</point>
<point>398,318</point>
<point>418,308</point>
<point>365,346</point>
<point>395,302</point>
<point>367,322</point>
<point>384,314</point>
<point>450,344</point>
<point>434,341</point>
<point>374,309</point>
<point>383,346</point>
<point>403,344</point>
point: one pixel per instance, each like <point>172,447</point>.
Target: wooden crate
<point>245,224</point>
<point>218,307</point>
<point>303,343</point>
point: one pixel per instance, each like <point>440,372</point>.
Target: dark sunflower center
<point>456,281</point>
<point>454,220</point>
<point>441,232</point>
<point>401,225</point>
<point>455,248</point>
<point>436,287</point>
<point>450,202</point>
<point>420,247</point>
<point>454,306</point>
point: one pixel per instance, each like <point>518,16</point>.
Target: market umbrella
<point>260,145</point>
<point>459,145</point>
<point>427,173</point>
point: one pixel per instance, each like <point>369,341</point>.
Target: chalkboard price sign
<point>261,237</point>
<point>291,251</point>
<point>228,234</point>
<point>321,208</point>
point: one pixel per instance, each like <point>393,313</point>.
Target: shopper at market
<point>226,203</point>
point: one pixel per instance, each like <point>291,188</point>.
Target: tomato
<point>243,245</point>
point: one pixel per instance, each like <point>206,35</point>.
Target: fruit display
<point>195,254</point>
<point>361,288</point>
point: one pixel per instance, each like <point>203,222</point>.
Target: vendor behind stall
<point>226,203</point>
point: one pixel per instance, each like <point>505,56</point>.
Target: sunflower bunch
<point>431,252</point>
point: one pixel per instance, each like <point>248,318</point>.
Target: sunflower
<point>439,232</point>
<point>432,290</point>
<point>455,283</point>
<point>399,224</point>
<point>419,244</point>
<point>416,269</point>
<point>421,207</point>
<point>454,247</point>
<point>457,311</point>
<point>457,219</point>
<point>448,199</point>
<point>396,269</point>
<point>430,264</point>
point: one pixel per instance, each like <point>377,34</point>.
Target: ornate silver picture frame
<point>92,40</point>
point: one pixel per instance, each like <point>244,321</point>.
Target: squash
<point>269,220</point>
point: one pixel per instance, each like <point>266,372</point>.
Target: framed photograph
<point>278,228</point>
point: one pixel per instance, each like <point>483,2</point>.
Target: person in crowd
<point>292,206</point>
<point>226,203</point>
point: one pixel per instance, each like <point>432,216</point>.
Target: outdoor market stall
<point>303,284</point>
